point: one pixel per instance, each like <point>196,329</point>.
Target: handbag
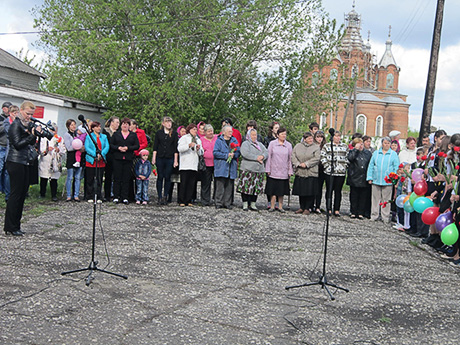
<point>201,163</point>
<point>32,154</point>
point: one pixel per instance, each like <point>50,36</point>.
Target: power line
<point>177,20</point>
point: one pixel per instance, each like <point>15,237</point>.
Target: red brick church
<point>380,108</point>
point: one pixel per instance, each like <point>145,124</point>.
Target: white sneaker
<point>115,201</point>
<point>90,201</point>
<point>76,164</point>
<point>125,201</point>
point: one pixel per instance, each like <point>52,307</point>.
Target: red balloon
<point>430,215</point>
<point>421,187</point>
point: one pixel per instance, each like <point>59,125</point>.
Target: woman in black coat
<point>18,164</point>
<point>357,170</point>
<point>123,144</point>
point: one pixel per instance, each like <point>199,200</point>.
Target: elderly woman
<point>305,159</point>
<point>208,141</point>
<point>226,151</point>
<point>278,169</point>
<point>383,162</point>
<point>189,147</point>
<point>335,171</point>
<point>320,140</point>
<point>50,164</point>
<point>123,144</point>
<point>251,182</point>
<point>95,162</point>
<point>359,159</point>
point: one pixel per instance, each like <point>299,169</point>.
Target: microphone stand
<point>93,264</point>
<point>323,282</point>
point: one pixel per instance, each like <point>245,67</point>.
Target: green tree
<point>191,60</point>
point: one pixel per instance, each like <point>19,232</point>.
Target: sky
<point>412,23</point>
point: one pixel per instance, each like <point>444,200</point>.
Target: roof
<point>9,61</point>
<point>18,91</point>
<point>388,58</point>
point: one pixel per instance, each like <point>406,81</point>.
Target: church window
<point>361,123</point>
<point>334,74</point>
<point>379,126</point>
<point>390,81</point>
<point>314,78</point>
<point>323,120</point>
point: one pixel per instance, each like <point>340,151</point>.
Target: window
<point>314,78</point>
<point>361,124</point>
<point>390,81</point>
<point>322,120</point>
<point>334,74</point>
<point>379,126</point>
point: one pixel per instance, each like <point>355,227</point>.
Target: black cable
<point>103,237</point>
<point>177,20</point>
<point>37,292</point>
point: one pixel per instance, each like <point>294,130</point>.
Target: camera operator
<point>22,137</point>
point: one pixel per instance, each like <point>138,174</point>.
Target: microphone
<point>81,118</point>
<point>331,131</point>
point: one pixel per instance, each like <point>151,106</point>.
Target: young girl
<point>143,169</point>
<point>81,135</point>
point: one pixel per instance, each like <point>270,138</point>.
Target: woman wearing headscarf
<point>189,147</point>
<point>251,183</point>
<point>305,160</point>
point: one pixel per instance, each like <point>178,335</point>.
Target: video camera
<point>46,128</point>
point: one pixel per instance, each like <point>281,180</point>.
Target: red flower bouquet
<point>233,148</point>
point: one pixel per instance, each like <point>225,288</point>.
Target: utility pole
<point>432,71</point>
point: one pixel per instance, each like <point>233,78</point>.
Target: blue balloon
<point>422,203</point>
<point>408,207</point>
<point>400,200</point>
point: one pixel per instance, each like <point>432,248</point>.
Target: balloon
<point>443,220</point>
<point>430,214</point>
<point>400,200</point>
<point>422,203</point>
<point>413,197</point>
<point>421,187</point>
<point>449,235</point>
<point>408,207</point>
<point>405,199</point>
<point>77,144</point>
<point>417,174</point>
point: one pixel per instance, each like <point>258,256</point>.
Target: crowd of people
<point>114,161</point>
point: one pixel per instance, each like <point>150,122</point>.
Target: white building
<point>19,82</point>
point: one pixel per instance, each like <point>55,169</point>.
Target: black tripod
<point>93,264</point>
<point>323,278</point>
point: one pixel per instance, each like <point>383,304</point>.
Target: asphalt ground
<point>198,275</point>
